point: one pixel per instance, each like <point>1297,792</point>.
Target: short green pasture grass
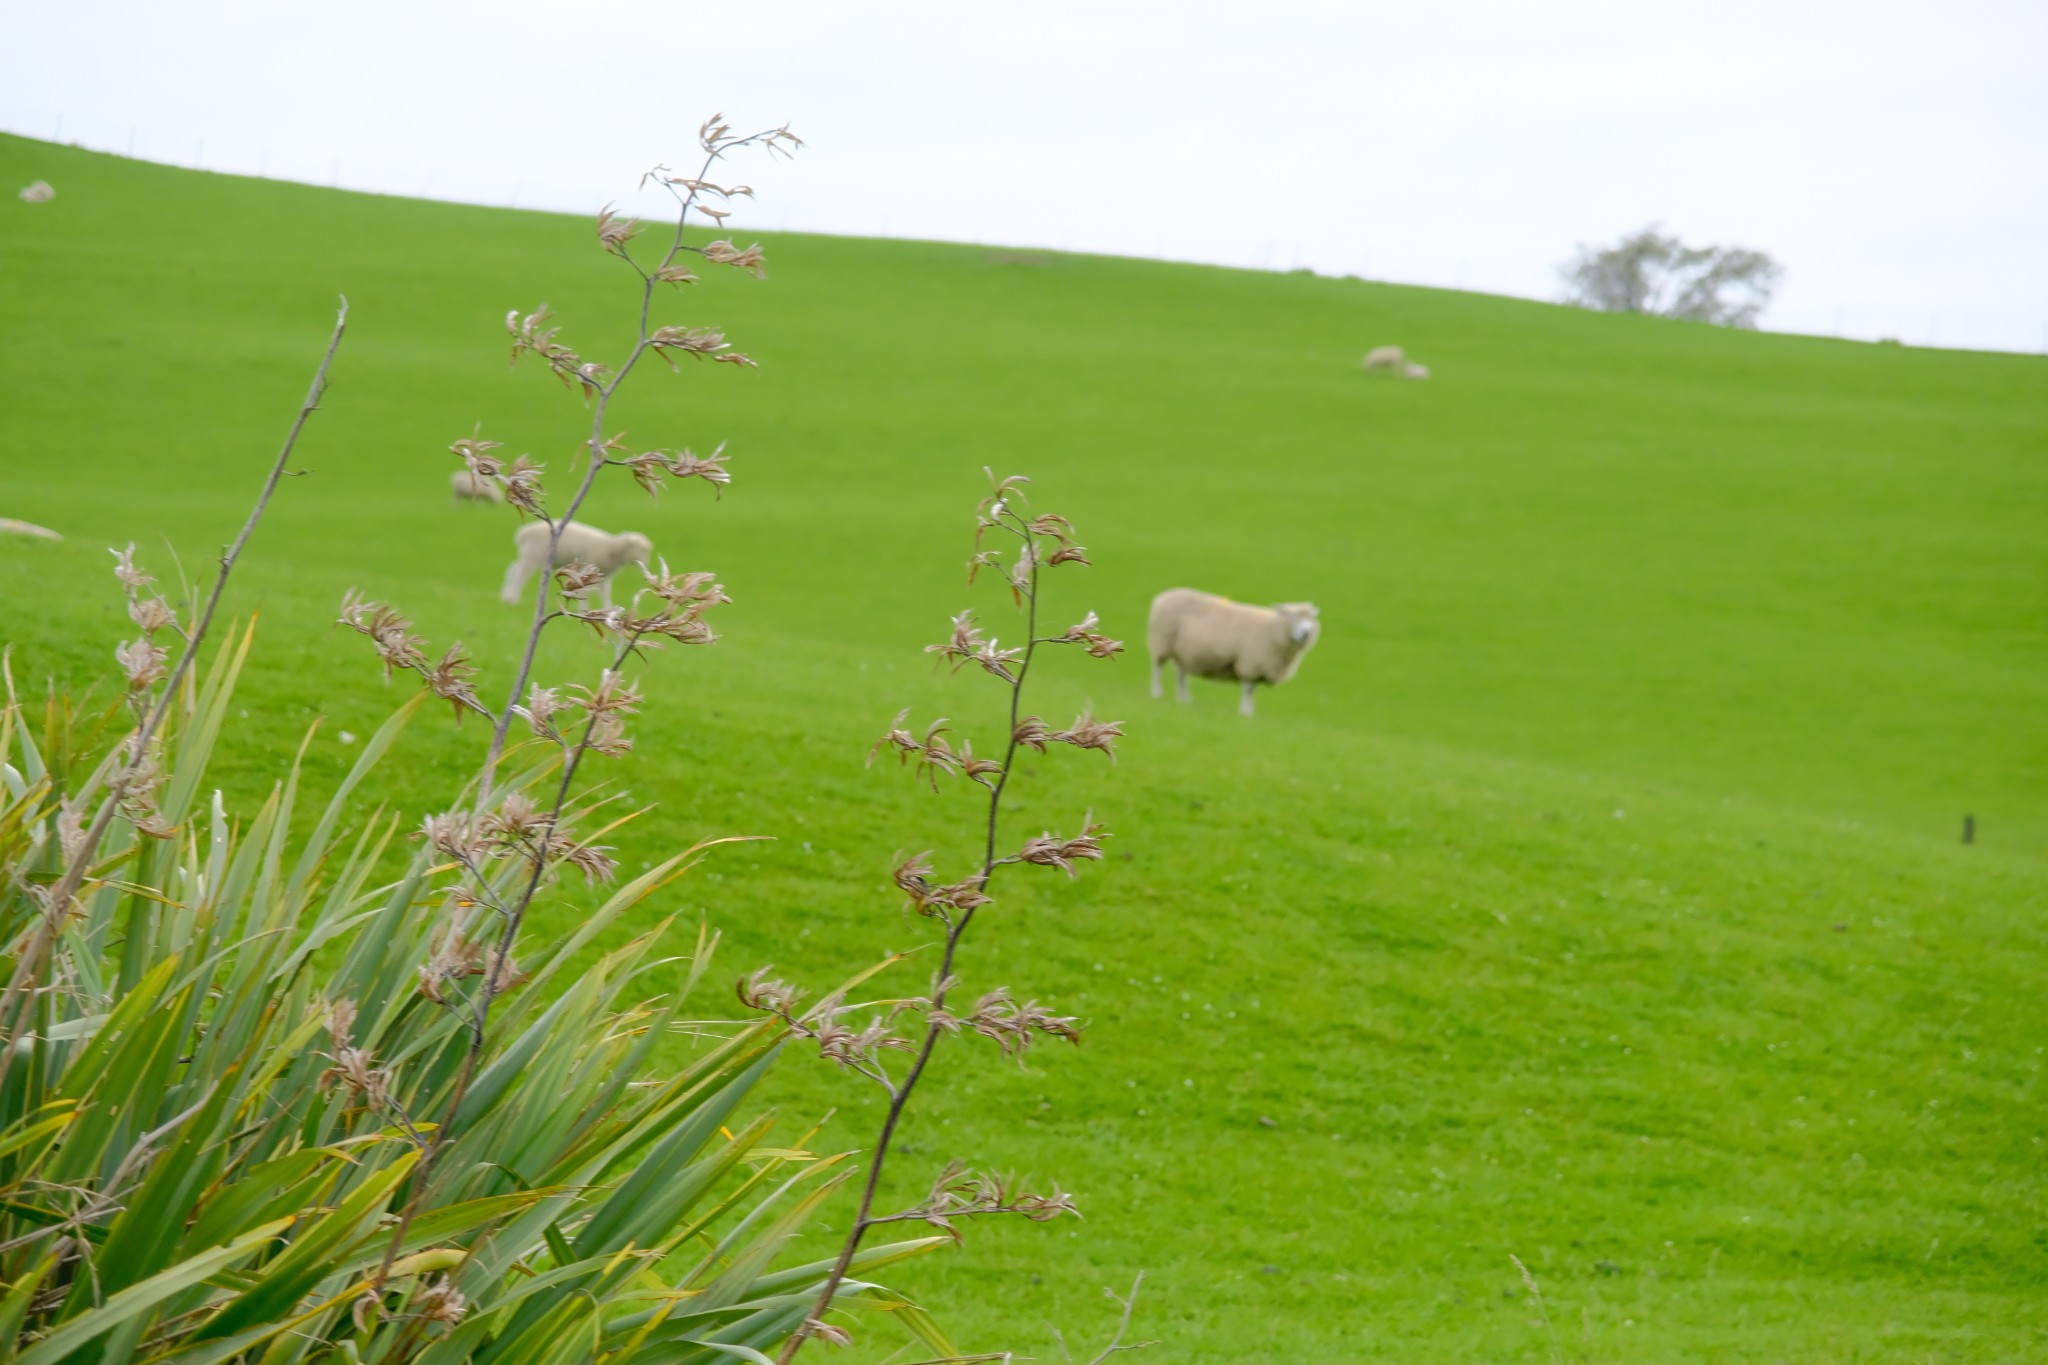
<point>1594,897</point>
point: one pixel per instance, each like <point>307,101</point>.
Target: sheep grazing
<point>38,192</point>
<point>607,552</point>
<point>470,486</point>
<point>1214,637</point>
<point>1393,360</point>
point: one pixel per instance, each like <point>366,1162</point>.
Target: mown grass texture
<point>1594,895</point>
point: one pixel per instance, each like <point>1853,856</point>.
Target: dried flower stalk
<point>1027,547</point>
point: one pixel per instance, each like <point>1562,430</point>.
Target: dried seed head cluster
<point>855,1049</point>
<point>966,646</point>
<point>1044,541</point>
<point>706,343</point>
<point>440,1302</point>
<point>613,232</point>
<point>134,785</point>
<point>607,705</point>
<point>1085,634</point>
<point>521,482</point>
<point>143,662</point>
<point>960,1193</point>
<point>913,879</point>
<point>934,754</point>
<point>1090,733</point>
<point>1050,850</point>
<point>716,137</point>
<point>827,1333</point>
<point>399,648</point>
<point>355,1068</point>
<point>453,957</point>
<point>338,1018</point>
<point>650,467</point>
<point>1011,1026</point>
<point>515,828</point>
<point>748,259</point>
<point>768,994</point>
<point>531,334</point>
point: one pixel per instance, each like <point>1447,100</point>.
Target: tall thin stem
<point>900,1097</point>
<point>58,904</point>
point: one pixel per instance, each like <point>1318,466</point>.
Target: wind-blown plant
<point>1020,548</point>
<point>257,1105</point>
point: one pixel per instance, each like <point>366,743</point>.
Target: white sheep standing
<point>1390,358</point>
<point>608,552</point>
<point>1214,637</point>
<point>37,192</point>
<point>470,486</point>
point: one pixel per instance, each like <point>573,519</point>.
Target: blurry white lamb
<point>607,552</point>
<point>1393,360</point>
<point>470,486</point>
<point>38,192</point>
<point>1214,637</point>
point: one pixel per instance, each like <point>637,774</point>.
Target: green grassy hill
<point>1594,895</point>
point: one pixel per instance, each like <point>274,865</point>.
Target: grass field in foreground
<point>1593,896</point>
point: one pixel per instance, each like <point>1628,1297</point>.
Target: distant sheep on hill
<point>607,552</point>
<point>37,192</point>
<point>1214,637</point>
<point>1393,360</point>
<point>470,486</point>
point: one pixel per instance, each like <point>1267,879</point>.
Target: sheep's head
<point>1303,624</point>
<point>636,548</point>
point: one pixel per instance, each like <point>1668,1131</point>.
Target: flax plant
<point>259,1105</point>
<point>1020,548</point>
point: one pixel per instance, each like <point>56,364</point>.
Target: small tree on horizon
<point>1651,272</point>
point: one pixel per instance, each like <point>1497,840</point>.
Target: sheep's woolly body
<point>1213,637</point>
<point>1393,360</point>
<point>472,487</point>
<point>608,552</point>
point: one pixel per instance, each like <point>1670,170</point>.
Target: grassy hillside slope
<point>1592,896</point>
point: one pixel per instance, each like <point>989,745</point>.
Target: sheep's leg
<point>1157,690</point>
<point>1244,707</point>
<point>604,591</point>
<point>1180,681</point>
<point>515,578</point>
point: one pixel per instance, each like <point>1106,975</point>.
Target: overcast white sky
<point>1893,156</point>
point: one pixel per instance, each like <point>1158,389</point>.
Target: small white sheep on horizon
<point>1393,360</point>
<point>470,486</point>
<point>1214,637</point>
<point>608,553</point>
<point>37,192</point>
